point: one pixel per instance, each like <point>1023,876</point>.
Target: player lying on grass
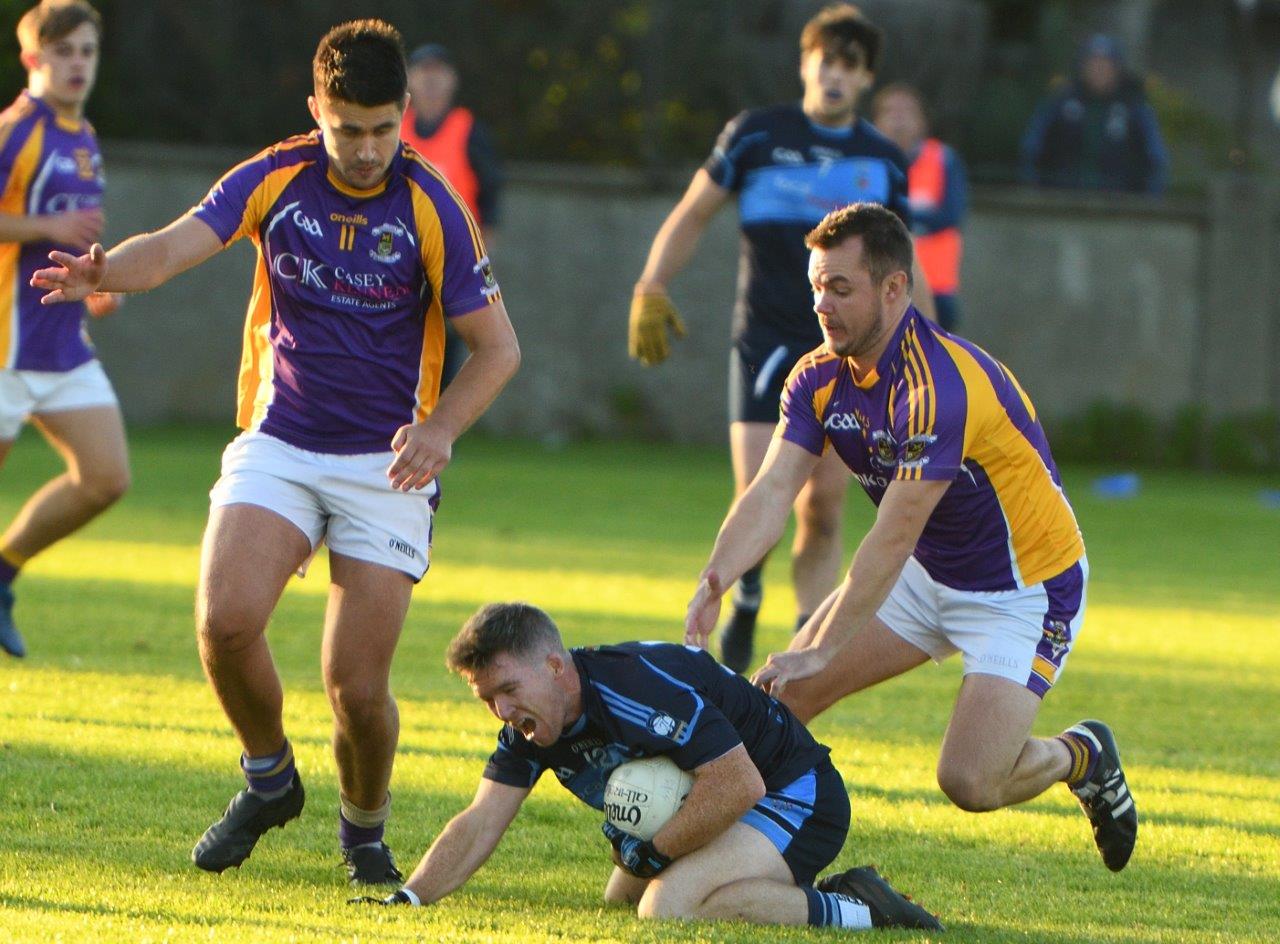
<point>766,813</point>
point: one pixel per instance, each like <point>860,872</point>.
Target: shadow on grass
<point>130,841</point>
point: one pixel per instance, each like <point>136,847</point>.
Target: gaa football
<point>643,794</point>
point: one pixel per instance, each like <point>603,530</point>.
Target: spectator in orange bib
<point>937,188</point>
<point>449,136</point>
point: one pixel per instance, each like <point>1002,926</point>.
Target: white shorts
<point>1023,635</point>
<point>344,501</point>
<point>24,392</point>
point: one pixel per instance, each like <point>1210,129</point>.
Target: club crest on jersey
<point>913,449</point>
<point>85,164</point>
<point>386,251</point>
<point>663,725</point>
<point>884,451</point>
<point>1057,635</point>
<point>485,271</point>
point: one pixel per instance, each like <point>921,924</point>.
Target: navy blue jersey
<point>789,173</point>
<point>642,699</point>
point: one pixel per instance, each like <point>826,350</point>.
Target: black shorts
<point>807,821</point>
<point>759,365</point>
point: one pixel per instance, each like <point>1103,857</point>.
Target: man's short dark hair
<point>886,244</point>
<point>361,62</point>
<point>51,20</point>
<point>514,628</point>
<point>843,30</point>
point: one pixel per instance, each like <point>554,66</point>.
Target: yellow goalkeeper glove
<point>651,315</point>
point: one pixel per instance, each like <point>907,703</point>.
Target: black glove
<point>395,898</point>
<point>637,856</point>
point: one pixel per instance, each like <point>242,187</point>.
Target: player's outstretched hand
<point>782,668</point>
<point>422,451</point>
<point>74,278</point>
<point>634,855</point>
<point>704,611</point>
<point>651,315</point>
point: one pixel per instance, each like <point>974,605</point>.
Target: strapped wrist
<point>409,896</point>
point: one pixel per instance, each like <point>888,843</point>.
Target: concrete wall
<point>1085,299</point>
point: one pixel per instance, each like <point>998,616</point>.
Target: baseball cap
<point>430,52</point>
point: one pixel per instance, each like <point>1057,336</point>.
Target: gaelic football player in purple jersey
<point>51,198</point>
<point>363,251</point>
<point>975,548</point>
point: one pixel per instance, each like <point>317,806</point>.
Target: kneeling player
<point>766,812</point>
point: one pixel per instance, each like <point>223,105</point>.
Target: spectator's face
<point>64,69</point>
<point>901,119</point>
<point>360,140</point>
<point>431,88</point>
<point>832,86</point>
<point>1100,74</point>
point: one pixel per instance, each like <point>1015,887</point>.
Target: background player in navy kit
<point>767,809</point>
<point>363,251</point>
<point>51,197</point>
<point>789,165</point>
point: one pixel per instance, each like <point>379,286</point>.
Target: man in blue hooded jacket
<point>1098,132</point>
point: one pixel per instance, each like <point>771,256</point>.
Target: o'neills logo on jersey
<point>352,219</point>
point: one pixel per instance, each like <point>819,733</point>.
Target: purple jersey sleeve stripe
<point>430,362</point>
<point>920,390</point>
<point>934,437</point>
<point>19,173</point>
<point>16,127</point>
<point>805,396</point>
<point>257,367</point>
<point>422,173</point>
<point>461,280</point>
<point>1043,532</point>
<point>14,200</point>
<point>236,204</point>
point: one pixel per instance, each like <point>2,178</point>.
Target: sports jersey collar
<point>576,728</point>
<point>829,132</point>
<point>66,124</point>
<point>910,316</point>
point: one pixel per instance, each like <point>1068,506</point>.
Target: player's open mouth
<point>527,726</point>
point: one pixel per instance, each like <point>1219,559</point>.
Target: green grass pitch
<point>114,755</point>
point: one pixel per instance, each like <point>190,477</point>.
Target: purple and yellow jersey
<point>47,165</point>
<point>344,337</point>
<point>937,407</point>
